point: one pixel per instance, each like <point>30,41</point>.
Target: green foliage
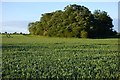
<point>84,34</point>
<point>71,21</point>
<point>36,57</point>
<point>103,24</point>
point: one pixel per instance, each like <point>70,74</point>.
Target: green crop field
<point>37,57</point>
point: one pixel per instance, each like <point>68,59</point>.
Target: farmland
<point>38,57</point>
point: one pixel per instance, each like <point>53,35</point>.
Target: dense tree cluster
<point>74,21</point>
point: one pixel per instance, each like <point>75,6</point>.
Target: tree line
<point>74,21</point>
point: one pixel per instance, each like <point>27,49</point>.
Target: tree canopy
<point>73,21</point>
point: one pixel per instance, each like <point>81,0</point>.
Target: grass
<point>41,57</point>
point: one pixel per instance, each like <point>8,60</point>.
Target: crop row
<point>71,61</point>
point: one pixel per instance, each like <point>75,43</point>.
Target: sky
<point>17,15</point>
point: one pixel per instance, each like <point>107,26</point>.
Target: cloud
<point>115,23</point>
<point>15,26</point>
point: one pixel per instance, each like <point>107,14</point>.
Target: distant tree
<point>15,33</point>
<point>21,33</point>
<point>32,28</point>
<point>103,26</point>
<point>5,32</point>
<point>74,21</point>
